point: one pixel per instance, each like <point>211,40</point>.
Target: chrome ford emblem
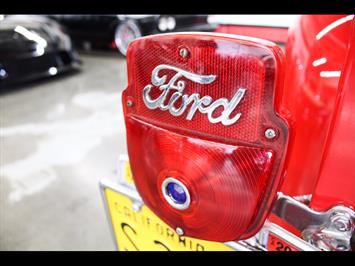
<point>204,104</point>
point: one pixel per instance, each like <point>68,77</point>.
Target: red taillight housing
<point>205,143</point>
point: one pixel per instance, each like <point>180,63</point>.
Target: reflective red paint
<point>336,183</point>
<point>232,172</point>
<point>314,62</point>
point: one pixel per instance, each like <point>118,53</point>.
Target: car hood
<point>30,35</point>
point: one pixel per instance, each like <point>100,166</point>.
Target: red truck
<point>232,139</point>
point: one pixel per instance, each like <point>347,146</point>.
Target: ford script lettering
<point>204,104</point>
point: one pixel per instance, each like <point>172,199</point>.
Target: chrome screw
<point>179,231</point>
<point>183,52</point>
<point>129,103</point>
<point>270,133</point>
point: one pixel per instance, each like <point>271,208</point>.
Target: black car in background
<point>33,47</point>
<point>102,31</point>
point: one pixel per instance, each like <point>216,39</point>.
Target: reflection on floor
<point>58,138</point>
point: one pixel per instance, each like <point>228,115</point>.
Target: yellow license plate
<point>137,228</point>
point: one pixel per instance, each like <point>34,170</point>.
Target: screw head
<point>129,103</point>
<point>179,231</point>
<point>184,52</point>
<point>342,225</point>
<point>341,222</point>
<point>270,133</point>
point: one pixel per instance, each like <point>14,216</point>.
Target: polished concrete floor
<point>58,138</point>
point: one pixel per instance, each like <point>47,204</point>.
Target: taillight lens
<point>205,143</point>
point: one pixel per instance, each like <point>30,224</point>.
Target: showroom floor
<point>58,138</point>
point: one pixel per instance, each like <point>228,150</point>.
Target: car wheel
<point>126,32</point>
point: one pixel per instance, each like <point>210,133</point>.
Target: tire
<point>126,32</point>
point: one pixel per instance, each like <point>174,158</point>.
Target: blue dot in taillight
<point>177,193</point>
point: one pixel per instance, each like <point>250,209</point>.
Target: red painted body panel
<point>336,184</point>
<point>315,55</point>
<point>278,35</point>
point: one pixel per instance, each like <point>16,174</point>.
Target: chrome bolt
<point>270,133</point>
<point>179,231</point>
<point>341,226</point>
<point>184,52</point>
<point>129,103</point>
<point>341,222</point>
